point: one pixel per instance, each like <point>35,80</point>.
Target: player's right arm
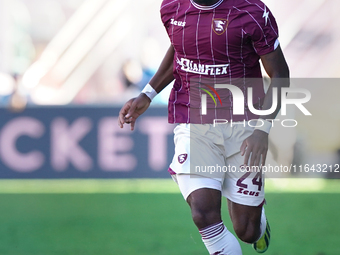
<point>137,106</point>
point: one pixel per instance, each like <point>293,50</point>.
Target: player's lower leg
<point>205,207</point>
<point>262,244</point>
<point>219,241</point>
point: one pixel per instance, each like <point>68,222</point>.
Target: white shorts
<point>209,157</point>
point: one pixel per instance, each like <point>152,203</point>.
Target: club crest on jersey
<point>182,158</point>
<point>219,26</point>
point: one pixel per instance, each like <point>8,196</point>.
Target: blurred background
<point>100,52</point>
<point>66,68</point>
<point>78,51</point>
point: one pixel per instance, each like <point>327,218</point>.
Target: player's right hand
<point>133,109</point>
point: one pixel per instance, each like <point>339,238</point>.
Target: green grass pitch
<point>101,217</point>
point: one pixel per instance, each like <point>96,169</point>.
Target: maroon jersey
<point>219,43</point>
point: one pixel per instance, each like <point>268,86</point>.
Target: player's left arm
<point>255,146</point>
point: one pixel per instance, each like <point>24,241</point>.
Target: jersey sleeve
<point>263,31</point>
<point>168,8</point>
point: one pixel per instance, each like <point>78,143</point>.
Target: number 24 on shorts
<point>243,188</point>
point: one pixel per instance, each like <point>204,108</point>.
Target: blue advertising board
<point>83,142</point>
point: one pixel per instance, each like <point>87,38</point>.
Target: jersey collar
<point>203,7</point>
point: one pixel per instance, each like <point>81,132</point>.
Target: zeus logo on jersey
<point>265,15</point>
<point>177,23</point>
<point>189,66</point>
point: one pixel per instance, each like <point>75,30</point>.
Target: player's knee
<point>204,219</point>
<point>205,207</point>
<point>200,219</point>
<point>247,233</point>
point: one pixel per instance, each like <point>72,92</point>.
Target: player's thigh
<point>203,196</point>
<point>246,220</point>
<point>244,213</point>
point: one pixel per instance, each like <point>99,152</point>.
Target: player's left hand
<point>255,147</point>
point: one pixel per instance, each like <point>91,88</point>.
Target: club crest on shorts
<point>219,26</point>
<point>182,158</point>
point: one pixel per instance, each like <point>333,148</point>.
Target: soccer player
<point>219,42</point>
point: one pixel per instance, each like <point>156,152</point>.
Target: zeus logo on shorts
<point>182,158</point>
<point>189,66</point>
<point>247,192</point>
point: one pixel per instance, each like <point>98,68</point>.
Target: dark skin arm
<point>137,106</point>
<point>256,145</point>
